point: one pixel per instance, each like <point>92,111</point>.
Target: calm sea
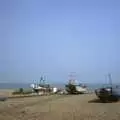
<point>27,85</point>
<point>14,85</point>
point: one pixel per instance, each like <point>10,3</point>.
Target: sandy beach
<point>6,92</point>
<point>60,107</point>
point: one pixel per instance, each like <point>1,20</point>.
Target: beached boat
<point>109,93</point>
<point>76,88</point>
<point>41,88</point>
<point>81,88</point>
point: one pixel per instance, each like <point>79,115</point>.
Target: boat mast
<point>72,78</point>
<point>110,79</point>
<point>41,79</point>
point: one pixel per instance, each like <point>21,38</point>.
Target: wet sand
<point>60,107</point>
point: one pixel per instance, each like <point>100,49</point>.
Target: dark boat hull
<point>108,94</point>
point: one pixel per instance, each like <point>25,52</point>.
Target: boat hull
<point>105,94</point>
<point>81,90</point>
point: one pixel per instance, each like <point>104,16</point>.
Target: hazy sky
<point>56,37</point>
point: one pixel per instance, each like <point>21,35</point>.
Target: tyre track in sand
<point>14,109</point>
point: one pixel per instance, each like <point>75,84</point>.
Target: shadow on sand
<point>99,101</point>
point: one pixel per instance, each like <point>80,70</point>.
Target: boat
<point>74,88</point>
<point>108,93</point>
<point>41,88</point>
<point>81,88</point>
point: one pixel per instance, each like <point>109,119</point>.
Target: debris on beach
<point>2,98</point>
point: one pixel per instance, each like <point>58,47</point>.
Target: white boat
<point>40,88</point>
<point>81,89</point>
<point>54,90</point>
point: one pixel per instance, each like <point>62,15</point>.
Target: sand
<point>6,92</point>
<point>59,107</point>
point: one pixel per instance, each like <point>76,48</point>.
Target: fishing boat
<point>108,93</point>
<point>76,88</point>
<point>41,88</point>
<point>82,89</point>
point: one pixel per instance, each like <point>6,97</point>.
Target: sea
<point>90,86</point>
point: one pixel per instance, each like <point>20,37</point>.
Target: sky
<point>57,37</point>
